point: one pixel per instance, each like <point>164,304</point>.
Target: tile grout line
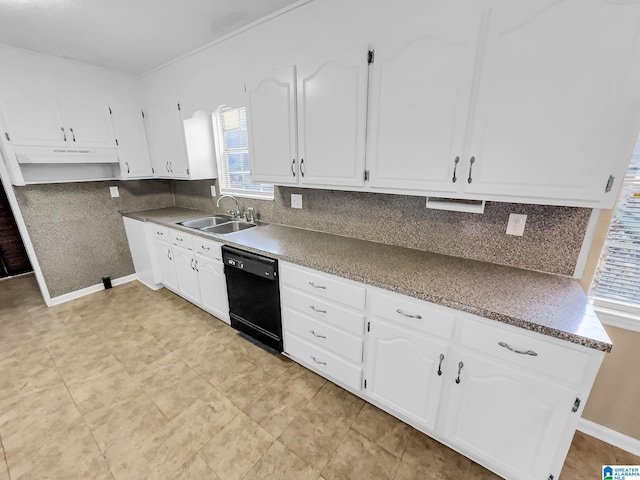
<point>4,453</point>
<point>81,414</point>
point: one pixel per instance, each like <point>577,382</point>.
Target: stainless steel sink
<point>219,224</point>
<point>205,222</point>
<point>229,227</point>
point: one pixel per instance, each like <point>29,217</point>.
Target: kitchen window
<point>232,150</point>
<point>616,287</point>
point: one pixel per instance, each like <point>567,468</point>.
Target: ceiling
<point>131,36</point>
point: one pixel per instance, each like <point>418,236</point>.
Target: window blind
<point>233,155</point>
<point>617,277</point>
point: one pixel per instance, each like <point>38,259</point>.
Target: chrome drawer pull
<point>205,248</point>
<point>317,286</point>
<point>318,310</point>
<point>160,233</point>
<point>521,352</point>
<point>318,361</point>
<point>316,334</point>
<point>419,317</point>
<point>440,364</point>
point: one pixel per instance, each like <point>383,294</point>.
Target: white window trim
<point>218,147</point>
<point>617,314</point>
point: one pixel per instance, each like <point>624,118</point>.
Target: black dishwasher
<point>254,295</point>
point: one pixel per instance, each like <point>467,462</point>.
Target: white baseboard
<point>89,290</point>
<point>617,439</point>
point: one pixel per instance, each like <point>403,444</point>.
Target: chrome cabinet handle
<point>293,164</point>
<point>64,134</point>
<point>455,167</point>
<point>73,135</point>
<point>128,169</point>
<point>317,334</point>
<point>460,365</point>
<point>471,162</point>
<point>521,352</point>
<point>318,361</point>
<point>171,166</point>
<point>205,248</point>
<point>440,364</point>
<point>196,266</point>
<point>160,233</point>
<point>192,268</point>
<point>301,167</point>
<point>166,165</point>
<point>169,255</point>
<point>318,310</point>
<point>419,317</point>
<point>180,239</point>
<point>317,286</point>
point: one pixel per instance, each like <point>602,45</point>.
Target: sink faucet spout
<point>236,214</point>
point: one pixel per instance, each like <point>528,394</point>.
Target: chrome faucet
<point>235,214</point>
<point>250,215</point>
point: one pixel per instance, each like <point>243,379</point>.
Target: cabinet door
<point>271,117</point>
<point>88,123</point>
<point>509,418</point>
<point>550,104</point>
<point>133,150</point>
<point>332,106</point>
<point>213,287</point>
<point>32,120</point>
<point>419,100</point>
<point>167,265</point>
<point>404,370</point>
<point>166,141</point>
<point>186,274</point>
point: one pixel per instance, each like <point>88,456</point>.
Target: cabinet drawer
<point>525,349</point>
<point>330,338</point>
<point>323,361</point>
<point>324,286</point>
<point>208,248</point>
<point>183,239</point>
<point>159,232</point>
<point>323,311</point>
<point>413,313</point>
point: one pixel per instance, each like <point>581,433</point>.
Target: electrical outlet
<point>114,192</point>
<point>296,200</point>
<point>516,224</point>
<point>213,190</point>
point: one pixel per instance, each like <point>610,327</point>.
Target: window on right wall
<point>616,284</point>
<point>232,151</point>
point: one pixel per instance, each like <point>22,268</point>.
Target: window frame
<point>221,153</point>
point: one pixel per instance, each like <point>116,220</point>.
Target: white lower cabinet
<point>185,262</point>
<point>404,370</point>
<point>166,265</point>
<point>190,266</point>
<point>512,419</point>
<point>507,398</point>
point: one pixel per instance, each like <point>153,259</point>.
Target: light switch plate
<point>114,192</point>
<point>516,224</point>
<point>296,200</point>
<point>213,190</point>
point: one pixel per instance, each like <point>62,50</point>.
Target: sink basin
<point>205,222</point>
<point>229,227</point>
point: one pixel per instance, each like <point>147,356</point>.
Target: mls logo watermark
<point>621,472</point>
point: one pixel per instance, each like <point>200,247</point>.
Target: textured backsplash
<point>551,242</point>
<point>77,230</point>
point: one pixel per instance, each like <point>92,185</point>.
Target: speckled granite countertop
<point>548,304</point>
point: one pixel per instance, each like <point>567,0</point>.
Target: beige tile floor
<point>134,384</point>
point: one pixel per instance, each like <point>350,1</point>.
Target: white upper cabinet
<point>418,104</point>
<point>133,150</point>
<point>332,106</point>
<point>180,149</point>
<point>271,117</point>
<point>166,141</point>
<point>307,123</point>
<point>88,123</point>
<point>33,120</point>
<point>550,95</point>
